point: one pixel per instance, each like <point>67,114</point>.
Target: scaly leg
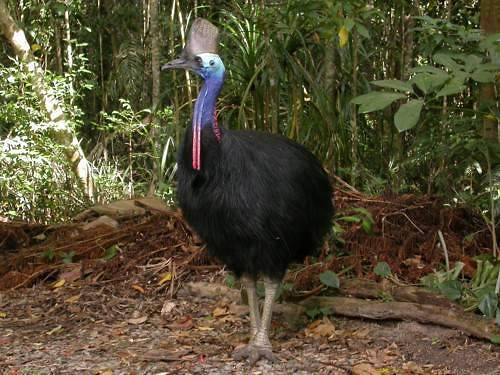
<point>260,346</point>
<point>253,304</point>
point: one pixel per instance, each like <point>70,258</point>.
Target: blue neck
<point>204,109</point>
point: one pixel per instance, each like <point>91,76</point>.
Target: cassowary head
<point>200,53</point>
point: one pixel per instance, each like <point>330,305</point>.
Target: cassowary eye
<point>212,62</point>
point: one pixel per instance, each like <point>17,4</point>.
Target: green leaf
<point>382,269</point>
<point>313,313</point>
<point>349,24</point>
<point>451,88</point>
<point>489,304</point>
<point>483,76</point>
<point>330,278</point>
<point>393,84</point>
<point>447,60</point>
<point>408,114</point>
<point>350,219</point>
<point>491,41</point>
<point>110,252</point>
<point>423,81</point>
<point>428,69</point>
<point>451,289</point>
<point>375,101</point>
<point>363,31</point>
<point>67,258</point>
<point>230,280</point>
<point>367,225</point>
<point>495,339</point>
<point>471,62</point>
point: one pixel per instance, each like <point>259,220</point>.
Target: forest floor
<point>118,298</point>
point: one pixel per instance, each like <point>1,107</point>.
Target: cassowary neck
<point>204,114</point>
<point>204,110</point>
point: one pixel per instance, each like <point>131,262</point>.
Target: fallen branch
<point>446,317</point>
<point>388,291</point>
<point>385,290</point>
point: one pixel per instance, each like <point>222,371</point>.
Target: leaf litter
<point>124,306</point>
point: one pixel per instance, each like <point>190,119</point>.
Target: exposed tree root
<point>389,291</point>
<point>469,324</point>
<point>446,316</point>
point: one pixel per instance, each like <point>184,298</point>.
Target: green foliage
<point>315,312</point>
<point>230,280</point>
<point>49,255</point>
<point>407,115</point>
<point>67,258</point>
<point>35,176</point>
<point>478,293</point>
<point>376,101</point>
<point>382,269</point>
<point>111,252</point>
<point>330,279</point>
<point>363,216</point>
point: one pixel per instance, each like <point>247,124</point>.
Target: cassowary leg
<point>262,337</point>
<point>253,304</point>
<point>260,346</point>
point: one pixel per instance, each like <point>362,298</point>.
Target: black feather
<point>259,201</point>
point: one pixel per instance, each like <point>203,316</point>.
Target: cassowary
<point>259,201</point>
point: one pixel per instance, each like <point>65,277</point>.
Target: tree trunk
<point>61,129</point>
<point>490,24</point>
<point>57,38</point>
<point>154,34</point>
<point>69,49</point>
<point>155,55</point>
<point>354,117</point>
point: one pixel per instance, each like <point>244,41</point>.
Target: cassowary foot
<point>254,352</point>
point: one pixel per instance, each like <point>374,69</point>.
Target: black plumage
<point>260,201</point>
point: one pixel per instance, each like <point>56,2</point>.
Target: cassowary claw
<point>253,353</point>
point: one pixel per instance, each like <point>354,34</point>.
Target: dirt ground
<point>115,328</point>
<point>122,304</point>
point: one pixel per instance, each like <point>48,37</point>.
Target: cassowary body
<point>259,201</point>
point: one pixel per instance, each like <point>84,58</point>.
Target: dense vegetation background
<point>393,96</point>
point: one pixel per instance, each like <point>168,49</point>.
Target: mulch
<point>404,234</point>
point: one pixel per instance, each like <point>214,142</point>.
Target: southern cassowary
<point>259,201</point>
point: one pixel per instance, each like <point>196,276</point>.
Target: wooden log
<point>470,324</point>
<point>390,291</point>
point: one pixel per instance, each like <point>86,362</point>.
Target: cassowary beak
<point>180,63</point>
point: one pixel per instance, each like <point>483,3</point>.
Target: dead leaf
<point>361,333</point>
<point>321,328</point>
<point>55,330</point>
<point>71,272</point>
<point>166,277</point>
<point>167,308</point>
<point>416,261</point>
<point>343,36</point>
<point>72,299</point>
<point>364,369</point>
<point>413,367</point>
<point>106,372</point>
<point>140,320</point>
<point>184,324</point>
<point>219,311</point>
<point>205,328</point>
<point>238,310</point>
<point>138,288</point>
<point>58,283</point>
<point>3,315</point>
